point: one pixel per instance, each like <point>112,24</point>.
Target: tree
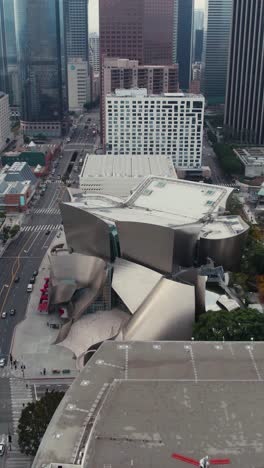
<point>34,420</point>
<point>228,161</point>
<point>239,325</point>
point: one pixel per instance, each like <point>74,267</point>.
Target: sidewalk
<point>32,341</point>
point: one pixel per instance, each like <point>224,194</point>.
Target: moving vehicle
<point>47,233</point>
<point>4,315</point>
<point>2,449</point>
<point>17,278</point>
<point>2,362</point>
<point>29,288</point>
<point>12,312</point>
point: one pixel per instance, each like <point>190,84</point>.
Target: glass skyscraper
<point>216,45</point>
<point>184,41</point>
<point>39,61</point>
<point>3,60</point>
<point>244,110</point>
<point>76,29</point>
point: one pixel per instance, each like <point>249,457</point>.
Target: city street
<point>20,259</point>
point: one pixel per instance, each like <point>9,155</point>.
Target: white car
<point>2,449</point>
<point>2,362</point>
<point>4,314</point>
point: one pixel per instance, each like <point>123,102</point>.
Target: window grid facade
<point>160,125</point>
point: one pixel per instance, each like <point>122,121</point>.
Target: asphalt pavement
<point>5,409</point>
<point>24,255</point>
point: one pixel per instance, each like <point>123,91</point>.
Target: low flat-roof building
<point>137,404</point>
<point>119,175</point>
<point>252,159</point>
<point>16,186</point>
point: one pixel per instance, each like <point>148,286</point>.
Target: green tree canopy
<point>228,161</point>
<point>34,420</point>
<point>239,325</point>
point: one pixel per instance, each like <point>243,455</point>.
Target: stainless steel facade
<point>244,111</point>
<point>166,314</point>
<point>86,233</point>
<point>176,245</point>
<point>216,45</point>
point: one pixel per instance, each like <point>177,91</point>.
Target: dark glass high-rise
<point>3,57</point>
<point>39,61</point>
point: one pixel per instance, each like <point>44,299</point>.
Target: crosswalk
<point>21,394</point>
<point>16,459</point>
<point>47,211</point>
<point>40,227</point>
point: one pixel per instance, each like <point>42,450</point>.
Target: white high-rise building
<point>78,84</point>
<point>5,127</point>
<point>169,124</point>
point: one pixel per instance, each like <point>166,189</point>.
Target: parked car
<point>12,312</point>
<point>2,362</point>
<point>4,315</point>
<point>35,273</point>
<point>2,449</point>
<point>29,288</point>
<point>32,280</point>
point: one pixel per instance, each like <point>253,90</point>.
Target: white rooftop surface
<point>162,201</point>
<point>97,165</point>
<point>223,227</point>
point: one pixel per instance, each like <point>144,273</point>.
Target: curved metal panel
<point>129,277</point>
<point>147,244</point>
<point>85,233</point>
<point>191,276</point>
<point>159,247</point>
<point>185,244</point>
<point>226,252</point>
<point>61,293</point>
<point>167,314</point>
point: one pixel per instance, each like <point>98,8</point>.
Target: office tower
<point>184,41</point>
<point>216,44</point>
<point>198,46</point>
<point>121,29</point>
<point>3,60</point>
<point>137,29</point>
<point>76,29</point>
<point>158,31</point>
<point>169,124</point>
<point>198,19</point>
<point>11,54</point>
<point>78,84</point>
<point>244,111</point>
<point>94,52</point>
<point>123,73</point>
<point>5,128</point>
<point>39,61</point>
<point>77,52</point>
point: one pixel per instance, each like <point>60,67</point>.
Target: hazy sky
<point>93,13</point>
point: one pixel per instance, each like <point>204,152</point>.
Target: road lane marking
<point>34,240</point>
<point>14,273</point>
